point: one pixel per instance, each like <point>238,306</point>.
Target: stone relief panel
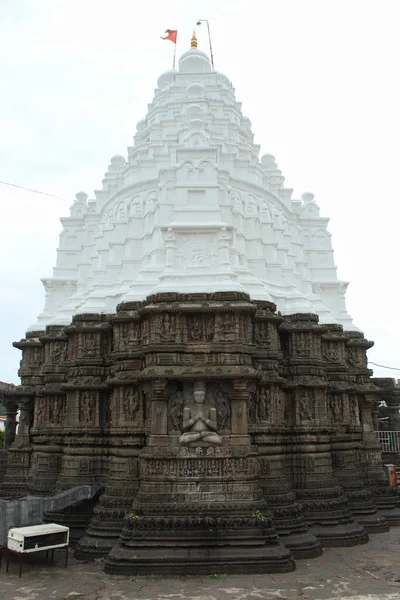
<point>354,410</point>
<point>40,417</point>
<point>302,344</point>
<point>356,356</point>
<point>165,327</point>
<point>130,404</point>
<point>200,327</point>
<point>126,336</point>
<point>196,254</point>
<point>306,405</point>
<point>336,408</point>
<point>55,352</point>
<point>332,351</point>
<point>57,409</point>
<point>226,327</point>
<point>87,406</point>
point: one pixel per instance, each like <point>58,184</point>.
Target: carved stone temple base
<point>198,511</point>
<point>224,436</point>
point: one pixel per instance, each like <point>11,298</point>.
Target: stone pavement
<point>362,573</point>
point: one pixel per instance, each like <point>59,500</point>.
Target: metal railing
<point>389,440</point>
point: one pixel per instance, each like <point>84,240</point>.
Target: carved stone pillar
<point>158,398</point>
<point>239,402</point>
<point>25,406</point>
<point>11,409</point>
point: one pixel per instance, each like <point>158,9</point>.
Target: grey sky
<point>317,78</point>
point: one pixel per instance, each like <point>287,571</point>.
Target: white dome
<point>195,90</point>
<point>194,61</point>
<point>166,78</point>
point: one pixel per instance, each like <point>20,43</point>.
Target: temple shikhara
<point>195,361</point>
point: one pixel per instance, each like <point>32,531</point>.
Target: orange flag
<point>172,35</point>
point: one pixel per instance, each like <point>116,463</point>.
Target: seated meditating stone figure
<point>199,420</point>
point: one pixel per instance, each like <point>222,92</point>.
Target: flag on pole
<point>171,35</point>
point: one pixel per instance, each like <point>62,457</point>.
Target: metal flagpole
<point>199,22</point>
<point>176,40</point>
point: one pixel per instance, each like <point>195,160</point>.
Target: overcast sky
<point>319,79</point>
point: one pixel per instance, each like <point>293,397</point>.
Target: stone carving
<point>131,403</point>
<point>199,420</point>
<point>263,405</point>
<point>306,405</point>
<point>57,410</point>
<point>87,410</point>
<point>89,345</point>
<point>167,327</point>
<point>223,409</point>
<point>176,411</point>
<point>336,407</point>
<point>40,411</point>
<point>195,332</point>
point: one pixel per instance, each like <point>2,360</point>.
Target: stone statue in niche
<point>353,357</point>
<point>176,410</point>
<point>263,406</point>
<point>199,420</point>
<point>223,408</point>
<point>336,407</point>
<point>331,353</point>
<point>228,323</point>
<point>131,403</point>
<point>57,410</point>
<point>87,406</point>
<point>195,328</point>
<point>354,410</point>
<point>167,328</point>
<point>303,345</point>
<point>260,333</point>
<point>89,344</point>
<point>39,412</point>
<point>58,352</point>
<point>133,335</point>
<point>306,406</point>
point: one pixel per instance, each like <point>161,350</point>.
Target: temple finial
<point>194,40</point>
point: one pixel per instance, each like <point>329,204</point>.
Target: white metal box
<point>37,537</point>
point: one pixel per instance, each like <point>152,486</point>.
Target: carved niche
<point>203,400</point>
<point>87,406</point>
<point>130,403</point>
<point>305,405</point>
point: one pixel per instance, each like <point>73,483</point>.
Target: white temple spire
<point>192,208</point>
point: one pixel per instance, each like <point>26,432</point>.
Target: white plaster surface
<point>193,208</point>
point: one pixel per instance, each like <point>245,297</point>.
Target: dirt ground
<point>365,572</point>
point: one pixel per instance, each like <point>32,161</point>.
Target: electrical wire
<point>21,187</point>
<point>383,366</point>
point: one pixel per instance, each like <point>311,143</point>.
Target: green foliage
<point>218,575</point>
<point>132,516</point>
<point>259,515</point>
<point>1,439</point>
